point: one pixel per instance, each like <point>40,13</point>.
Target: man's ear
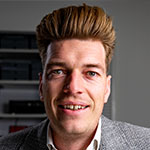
<point>108,88</point>
<point>40,87</point>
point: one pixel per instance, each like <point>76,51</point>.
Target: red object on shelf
<point>16,128</point>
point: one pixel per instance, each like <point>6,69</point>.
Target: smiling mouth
<point>73,107</point>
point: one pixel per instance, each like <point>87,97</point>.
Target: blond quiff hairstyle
<point>83,22</point>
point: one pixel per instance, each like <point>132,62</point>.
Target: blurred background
<point>19,61</point>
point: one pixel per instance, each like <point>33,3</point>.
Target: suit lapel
<point>37,139</point>
<point>112,137</point>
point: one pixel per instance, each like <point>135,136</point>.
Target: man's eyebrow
<point>99,66</point>
<point>51,64</point>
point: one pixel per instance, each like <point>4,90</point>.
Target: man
<point>76,46</point>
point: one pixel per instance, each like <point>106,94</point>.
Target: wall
<point>130,68</point>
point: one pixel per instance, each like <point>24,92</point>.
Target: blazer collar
<point>36,139</point>
<point>112,137</point>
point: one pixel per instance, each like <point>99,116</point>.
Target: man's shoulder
<point>133,132</point>
<point>126,134</point>
<point>135,136</point>
<point>28,136</point>
<point>14,140</point>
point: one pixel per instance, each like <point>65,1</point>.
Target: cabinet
<point>19,68</point>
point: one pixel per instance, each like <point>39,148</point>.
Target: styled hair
<point>82,22</point>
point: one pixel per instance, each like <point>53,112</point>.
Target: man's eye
<point>57,72</point>
<point>91,73</point>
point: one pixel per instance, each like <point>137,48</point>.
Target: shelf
<point>19,82</point>
<point>22,116</point>
<point>19,51</point>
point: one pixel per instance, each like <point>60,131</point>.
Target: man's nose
<point>74,83</point>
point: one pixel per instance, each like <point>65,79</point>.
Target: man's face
<point>74,85</point>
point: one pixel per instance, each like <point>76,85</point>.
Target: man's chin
<point>74,128</point>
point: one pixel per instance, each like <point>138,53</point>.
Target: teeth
<point>71,107</point>
<point>74,107</point>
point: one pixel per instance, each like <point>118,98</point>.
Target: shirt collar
<point>50,143</point>
<point>95,143</point>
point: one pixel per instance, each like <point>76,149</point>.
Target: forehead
<point>76,51</point>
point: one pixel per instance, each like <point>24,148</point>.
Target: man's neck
<point>72,143</point>
<point>75,142</point>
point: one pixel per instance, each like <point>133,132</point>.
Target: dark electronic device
<point>26,106</point>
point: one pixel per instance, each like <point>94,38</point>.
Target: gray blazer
<point>115,136</point>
